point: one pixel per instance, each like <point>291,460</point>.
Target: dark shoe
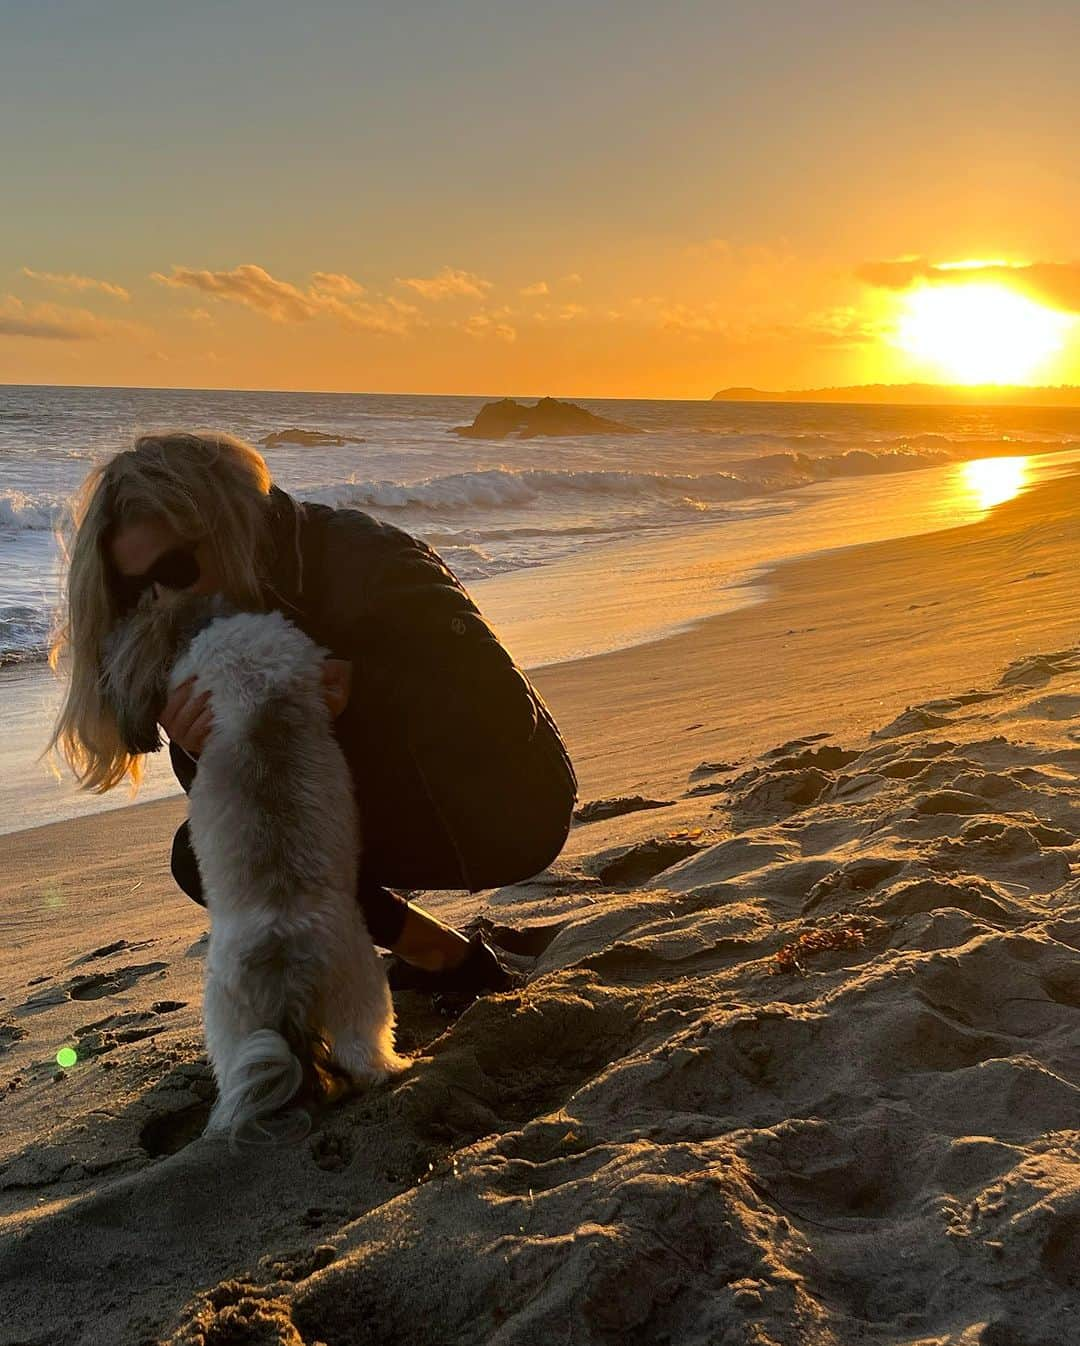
<point>479,971</point>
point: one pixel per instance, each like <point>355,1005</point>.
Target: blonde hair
<point>207,486</point>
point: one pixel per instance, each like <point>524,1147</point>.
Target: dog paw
<point>380,1071</point>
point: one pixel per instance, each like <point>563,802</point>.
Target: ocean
<point>570,546</point>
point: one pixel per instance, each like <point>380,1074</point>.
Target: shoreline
<point>815,656</point>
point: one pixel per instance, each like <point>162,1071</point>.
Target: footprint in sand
<point>105,1035</point>
<point>986,784</point>
<point>712,769</point>
<point>927,895</point>
<point>779,793</point>
<point>298,1266</point>
<point>529,941</point>
<point>106,950</point>
<point>1036,669</point>
<point>892,754</point>
<point>1004,843</point>
<point>50,995</point>
<point>795,745</point>
<point>177,1108</point>
<point>947,703</point>
<point>331,1152</point>
<point>634,865</point>
<point>1060,1258</point>
<point>858,788</point>
<point>90,987</point>
<point>1062,707</point>
<point>1063,985</point>
<point>596,809</point>
<point>923,1036</point>
<point>503,1065</point>
<point>835,1168</point>
<point>825,759</point>
<point>905,768</point>
<point>9,1034</point>
<point>173,1131</point>
<point>914,720</point>
<point>857,876</point>
<point>949,801</point>
<point>99,984</point>
<point>1010,840</point>
<point>632,964</point>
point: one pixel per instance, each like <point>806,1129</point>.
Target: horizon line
<point>760,394</point>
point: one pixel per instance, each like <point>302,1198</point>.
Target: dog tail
<point>264,1075</point>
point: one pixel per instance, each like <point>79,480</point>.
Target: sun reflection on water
<point>991,481</point>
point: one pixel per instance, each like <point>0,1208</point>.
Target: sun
<point>980,333</point>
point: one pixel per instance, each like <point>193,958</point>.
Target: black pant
<point>384,910</point>
<point>466,823</point>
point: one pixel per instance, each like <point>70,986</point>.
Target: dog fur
<point>295,997</point>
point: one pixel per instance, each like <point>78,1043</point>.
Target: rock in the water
<point>497,420</point>
<point>309,438</point>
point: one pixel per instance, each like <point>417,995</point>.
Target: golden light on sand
<point>980,333</point>
<point>994,480</point>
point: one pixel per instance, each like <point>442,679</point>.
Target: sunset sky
<point>586,199</point>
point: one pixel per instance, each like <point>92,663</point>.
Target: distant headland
<point>917,394</point>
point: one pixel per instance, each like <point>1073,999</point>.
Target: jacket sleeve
<point>184,766</point>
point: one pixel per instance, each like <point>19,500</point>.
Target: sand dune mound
<point>799,1066</point>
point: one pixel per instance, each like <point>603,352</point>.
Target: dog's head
<point>138,655</point>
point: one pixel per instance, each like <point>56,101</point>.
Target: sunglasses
<point>175,569</point>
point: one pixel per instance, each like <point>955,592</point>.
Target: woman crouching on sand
<point>460,774</point>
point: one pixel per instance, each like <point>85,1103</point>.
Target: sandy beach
<point>796,1062</point>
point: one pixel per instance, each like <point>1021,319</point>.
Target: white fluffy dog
<point>295,994</point>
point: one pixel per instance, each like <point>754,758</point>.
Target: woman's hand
<point>188,720</point>
<point>337,683</point>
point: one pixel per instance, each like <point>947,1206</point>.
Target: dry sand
<point>797,1060</point>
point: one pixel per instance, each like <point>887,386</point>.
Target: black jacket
<point>453,751</point>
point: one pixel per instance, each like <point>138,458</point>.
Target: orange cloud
<point>449,283</point>
<point>540,287</point>
<point>1055,283</point>
<point>47,322</point>
<point>564,313</point>
<point>251,286</point>
<point>333,282</point>
<point>73,282</point>
<point>483,324</point>
<point>833,327</point>
<point>841,326</point>
<point>330,294</point>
